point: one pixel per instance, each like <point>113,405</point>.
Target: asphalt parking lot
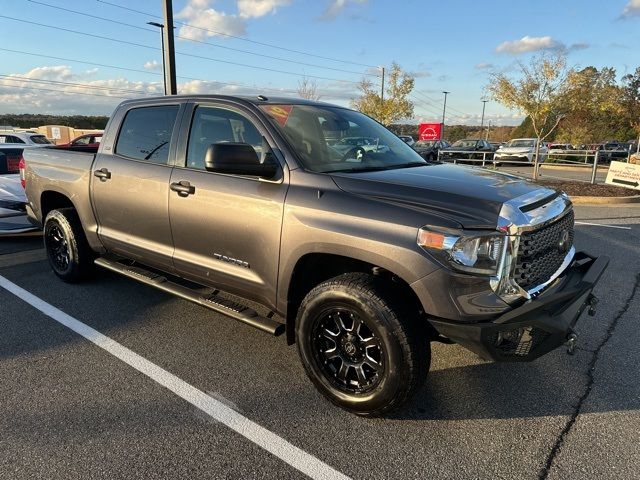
<point>71,409</point>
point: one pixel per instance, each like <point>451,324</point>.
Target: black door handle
<point>103,174</point>
<point>183,188</point>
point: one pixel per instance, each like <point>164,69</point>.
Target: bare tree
<point>308,89</point>
<point>539,93</point>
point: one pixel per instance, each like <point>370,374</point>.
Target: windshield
<point>333,139</point>
<point>425,143</point>
<point>464,144</point>
<point>521,143</point>
<point>40,140</point>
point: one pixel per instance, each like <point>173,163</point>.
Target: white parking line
<point>294,456</point>
<point>603,225</point>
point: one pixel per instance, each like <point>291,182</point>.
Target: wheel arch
<point>314,268</point>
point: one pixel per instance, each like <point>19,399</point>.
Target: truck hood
<point>470,196</point>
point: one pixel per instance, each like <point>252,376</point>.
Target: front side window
<point>146,133</point>
<point>82,141</point>
<point>333,139</point>
<point>10,139</point>
<point>218,125</point>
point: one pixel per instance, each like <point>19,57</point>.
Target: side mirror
<point>238,159</point>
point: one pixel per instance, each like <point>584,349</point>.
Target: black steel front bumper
<point>540,325</point>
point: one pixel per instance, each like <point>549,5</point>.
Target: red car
<point>84,143</point>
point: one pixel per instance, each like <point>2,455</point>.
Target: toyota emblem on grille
<point>564,240</point>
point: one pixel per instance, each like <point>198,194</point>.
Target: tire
<point>359,346</point>
<point>69,254</point>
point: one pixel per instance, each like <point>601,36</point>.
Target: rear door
<point>130,185</point>
<point>227,231</point>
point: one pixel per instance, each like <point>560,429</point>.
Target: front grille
<point>539,253</point>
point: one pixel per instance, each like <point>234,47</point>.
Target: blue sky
<point>449,45</point>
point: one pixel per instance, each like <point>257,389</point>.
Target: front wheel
<point>360,348</point>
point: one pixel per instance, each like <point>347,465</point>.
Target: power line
<point>257,88</point>
<point>244,39</point>
<point>201,57</point>
<point>18,78</point>
<point>64,92</point>
<point>247,52</point>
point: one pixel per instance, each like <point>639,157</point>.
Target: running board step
<point>213,302</point>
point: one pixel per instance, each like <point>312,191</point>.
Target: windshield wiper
<point>378,168</point>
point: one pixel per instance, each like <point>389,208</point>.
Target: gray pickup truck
<point>251,207</point>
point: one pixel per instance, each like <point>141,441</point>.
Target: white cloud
<point>336,7</point>
<point>484,66</point>
<point>529,44</point>
<point>152,65</point>
<point>259,8</point>
<point>631,9</point>
<point>58,90</point>
<point>206,20</point>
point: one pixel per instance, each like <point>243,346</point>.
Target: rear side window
<point>146,133</point>
<point>40,140</point>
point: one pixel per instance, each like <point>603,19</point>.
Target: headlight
<point>465,251</point>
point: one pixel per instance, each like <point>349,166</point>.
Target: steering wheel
<point>356,152</point>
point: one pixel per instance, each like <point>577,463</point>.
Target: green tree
<point>395,105</point>
<point>538,92</point>
<point>595,112</point>
<point>631,99</point>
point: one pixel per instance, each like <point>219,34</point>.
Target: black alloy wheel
<point>348,351</point>
<point>57,247</point>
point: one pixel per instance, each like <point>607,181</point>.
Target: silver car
<point>520,149</point>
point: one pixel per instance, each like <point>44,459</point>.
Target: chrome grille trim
<point>513,221</point>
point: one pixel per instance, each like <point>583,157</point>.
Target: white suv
<point>23,139</point>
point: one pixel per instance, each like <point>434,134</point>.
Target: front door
<point>226,232</point>
<point>130,187</point>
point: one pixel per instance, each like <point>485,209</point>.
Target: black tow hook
<point>572,340</point>
<point>592,301</point>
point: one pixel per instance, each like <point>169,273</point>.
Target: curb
<point>583,200</point>
<point>570,168</point>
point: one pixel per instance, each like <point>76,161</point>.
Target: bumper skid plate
<point>540,325</point>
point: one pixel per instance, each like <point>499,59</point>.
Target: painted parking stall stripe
<point>287,452</point>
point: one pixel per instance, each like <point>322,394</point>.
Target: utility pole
<point>382,87</point>
<point>444,111</point>
<point>164,70</point>
<point>484,104</point>
<point>169,58</point>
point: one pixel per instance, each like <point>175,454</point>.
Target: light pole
<point>484,104</point>
<point>488,128</point>
<point>444,111</point>
<point>164,72</point>
<point>382,87</point>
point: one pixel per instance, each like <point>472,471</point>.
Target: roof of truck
<point>254,99</point>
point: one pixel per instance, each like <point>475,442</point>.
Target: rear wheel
<point>69,254</point>
<point>359,347</point>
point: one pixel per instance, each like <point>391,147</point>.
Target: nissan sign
<point>430,131</point>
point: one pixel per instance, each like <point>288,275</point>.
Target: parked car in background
<point>468,148</point>
<point>13,217</point>
<point>560,147</point>
<point>428,149</point>
<point>408,139</point>
<point>364,144</point>
<point>520,149</point>
<point>84,143</point>
<point>30,139</point>
<point>614,151</point>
